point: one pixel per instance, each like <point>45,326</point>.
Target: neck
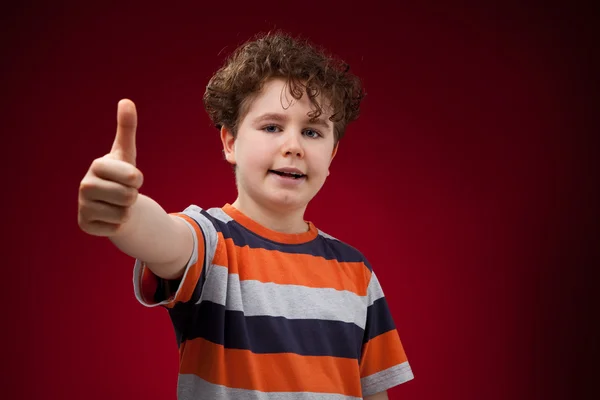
<point>289,221</point>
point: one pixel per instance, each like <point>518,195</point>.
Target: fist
<point>110,187</point>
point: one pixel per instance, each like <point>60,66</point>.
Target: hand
<point>110,187</point>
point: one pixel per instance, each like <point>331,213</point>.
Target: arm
<point>378,396</point>
<point>164,242</point>
<point>383,363</point>
<point>111,206</point>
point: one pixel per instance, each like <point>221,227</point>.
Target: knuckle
<point>81,221</point>
<point>82,209</point>
<point>86,217</point>
<point>130,196</point>
<point>85,226</point>
<point>97,164</point>
<point>138,179</point>
<point>134,177</point>
<point>85,186</point>
<point>125,214</point>
<point>131,177</point>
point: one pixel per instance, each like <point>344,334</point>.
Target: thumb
<point>123,147</point>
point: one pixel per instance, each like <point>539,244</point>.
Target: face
<point>282,158</point>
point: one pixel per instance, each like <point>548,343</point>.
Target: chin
<point>285,202</point>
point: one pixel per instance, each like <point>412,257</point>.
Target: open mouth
<point>293,175</point>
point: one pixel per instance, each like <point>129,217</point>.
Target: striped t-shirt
<point>260,314</point>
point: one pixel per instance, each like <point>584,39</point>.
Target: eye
<point>271,129</point>
<point>311,133</point>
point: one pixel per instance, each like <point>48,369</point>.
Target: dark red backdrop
<point>467,182</point>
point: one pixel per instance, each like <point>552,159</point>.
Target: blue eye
<point>271,128</point>
<point>311,133</point>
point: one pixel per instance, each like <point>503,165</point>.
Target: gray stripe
<point>289,301</point>
<point>139,268</point>
<point>219,214</point>
<point>327,236</point>
<point>208,229</point>
<point>374,290</point>
<point>192,387</point>
<point>222,288</point>
<point>386,379</point>
<point>210,236</point>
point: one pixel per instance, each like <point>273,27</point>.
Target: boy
<point>264,305</point>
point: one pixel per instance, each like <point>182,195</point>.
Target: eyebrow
<point>282,118</point>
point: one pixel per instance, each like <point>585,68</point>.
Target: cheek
<point>320,166</point>
<point>255,157</point>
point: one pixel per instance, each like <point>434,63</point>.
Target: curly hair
<point>306,68</point>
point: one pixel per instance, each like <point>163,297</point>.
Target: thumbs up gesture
<point>110,187</point>
<point>123,148</point>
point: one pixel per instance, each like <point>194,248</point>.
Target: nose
<point>292,145</point>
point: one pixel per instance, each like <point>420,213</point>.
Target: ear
<point>333,153</point>
<point>228,145</point>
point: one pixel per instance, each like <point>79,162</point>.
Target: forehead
<point>275,97</point>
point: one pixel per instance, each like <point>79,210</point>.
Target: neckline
<point>280,237</point>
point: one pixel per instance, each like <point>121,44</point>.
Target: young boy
<point>264,305</point>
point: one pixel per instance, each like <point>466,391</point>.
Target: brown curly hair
<point>306,68</point>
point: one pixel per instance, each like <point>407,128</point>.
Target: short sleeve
<point>383,362</point>
<point>151,290</point>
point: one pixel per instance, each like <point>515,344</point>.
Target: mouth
<point>293,175</point>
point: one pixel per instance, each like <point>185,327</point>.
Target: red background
<point>468,181</point>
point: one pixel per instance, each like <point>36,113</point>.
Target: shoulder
<point>343,250</point>
<point>214,217</point>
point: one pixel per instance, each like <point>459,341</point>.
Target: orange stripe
<point>187,287</point>
<point>291,269</point>
<point>382,352</point>
<point>280,372</point>
<point>148,284</point>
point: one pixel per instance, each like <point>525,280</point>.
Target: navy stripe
<point>182,312</point>
<point>179,314</point>
<point>366,262</point>
<point>320,247</point>
<point>265,334</point>
<point>379,319</point>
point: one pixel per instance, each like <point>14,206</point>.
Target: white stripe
<point>325,235</point>
<point>386,379</point>
<point>208,230</point>
<point>256,298</point>
<point>219,214</point>
<point>139,267</point>
<point>210,237</point>
<point>192,387</point>
<point>374,290</point>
